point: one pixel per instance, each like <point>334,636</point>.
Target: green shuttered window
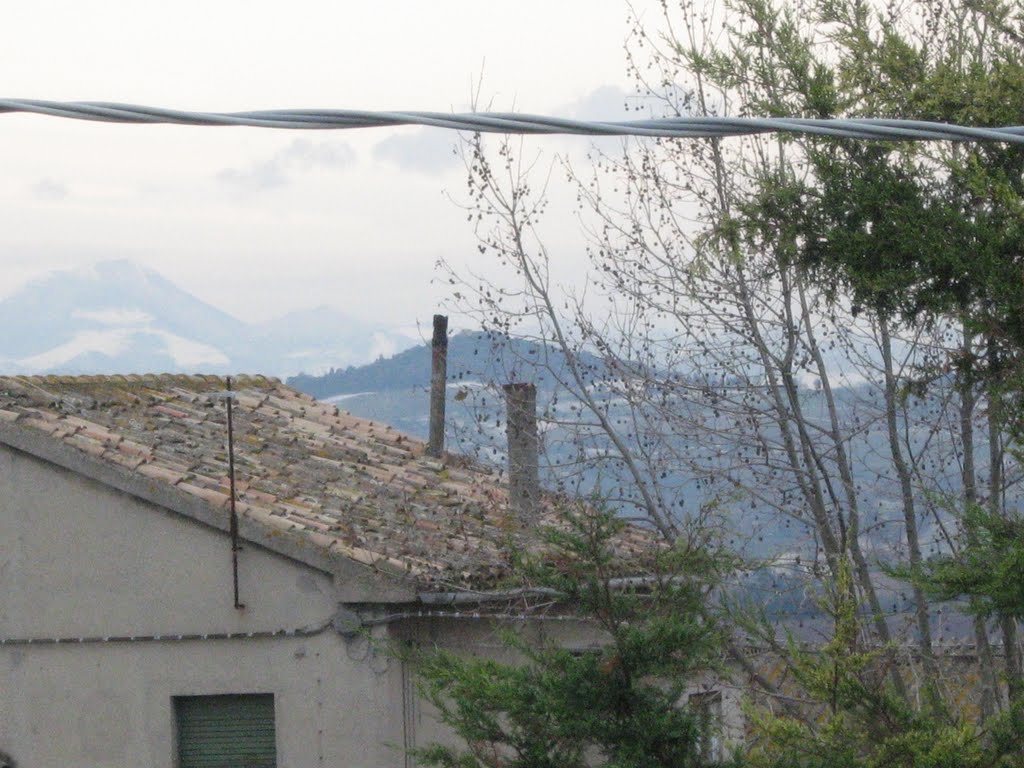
<point>235,731</point>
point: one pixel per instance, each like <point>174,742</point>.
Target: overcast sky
<point>260,221</point>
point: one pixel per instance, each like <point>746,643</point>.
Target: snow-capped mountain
<point>119,317</point>
<point>322,337</point>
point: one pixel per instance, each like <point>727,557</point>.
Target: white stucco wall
<point>77,558</point>
<point>80,558</point>
<point>112,706</point>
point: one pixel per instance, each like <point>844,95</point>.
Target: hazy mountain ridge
<point>120,317</point>
<point>395,391</point>
<point>472,356</point>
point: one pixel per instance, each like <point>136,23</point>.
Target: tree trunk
<point>921,613</point>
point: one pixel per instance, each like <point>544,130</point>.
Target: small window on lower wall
<point>232,731</point>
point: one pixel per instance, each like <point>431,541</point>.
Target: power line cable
<point>510,122</point>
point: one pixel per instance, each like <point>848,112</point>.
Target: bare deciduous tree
<point>702,375</point>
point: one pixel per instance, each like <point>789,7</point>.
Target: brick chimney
<point>438,380</point>
<point>523,463</point>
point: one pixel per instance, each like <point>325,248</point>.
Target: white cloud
<point>48,189</point>
<point>607,102</point>
<point>301,156</point>
<point>425,150</point>
<point>321,219</point>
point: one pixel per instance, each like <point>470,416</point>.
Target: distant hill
<point>472,355</point>
<point>120,317</point>
<point>395,391</point>
<point>83,320</point>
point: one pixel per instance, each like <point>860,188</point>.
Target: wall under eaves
<point>79,559</point>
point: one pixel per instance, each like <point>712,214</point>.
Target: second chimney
<point>523,463</point>
<point>438,381</point>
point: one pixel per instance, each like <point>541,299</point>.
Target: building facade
<point>136,629</point>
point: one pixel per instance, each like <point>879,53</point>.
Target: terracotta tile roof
<point>356,488</point>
